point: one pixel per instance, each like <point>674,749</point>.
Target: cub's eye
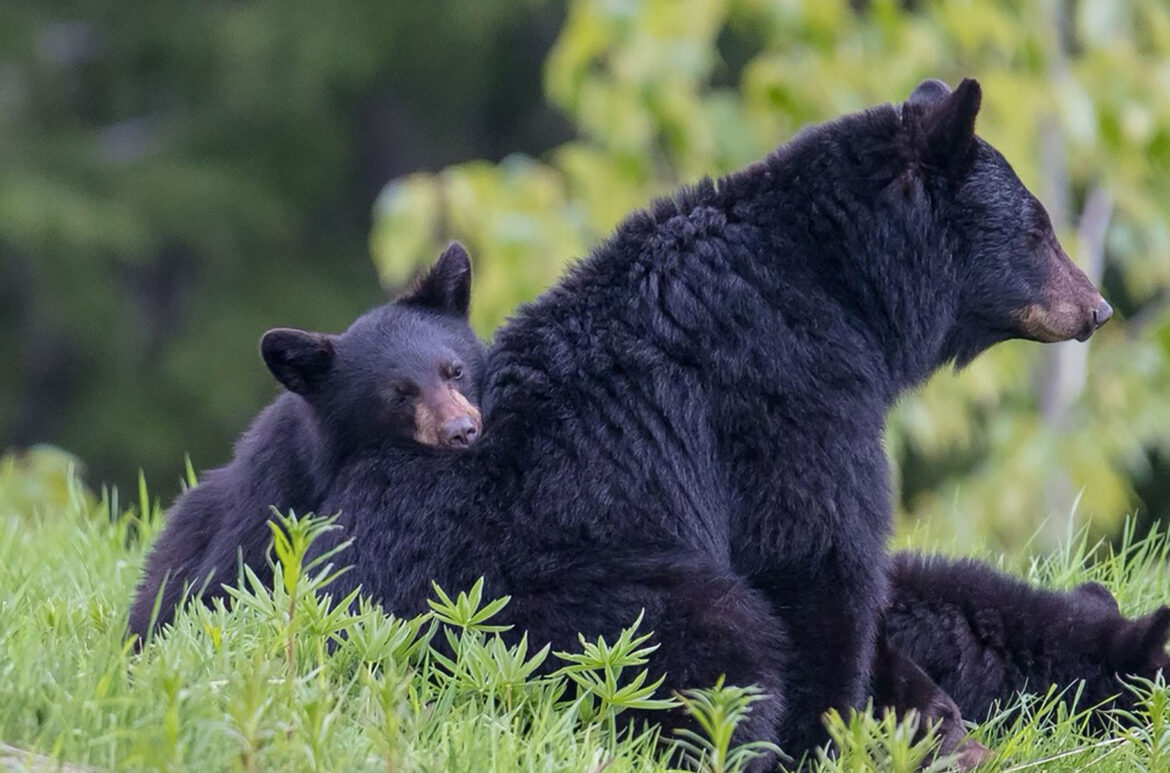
<point>453,371</point>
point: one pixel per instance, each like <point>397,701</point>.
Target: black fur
<point>690,422</point>
<point>898,683</point>
<point>347,392</point>
<point>984,636</point>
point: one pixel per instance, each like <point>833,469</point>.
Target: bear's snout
<point>444,418</point>
<point>1102,313</point>
<point>1099,316</point>
<point>459,432</point>
<point>1069,304</point>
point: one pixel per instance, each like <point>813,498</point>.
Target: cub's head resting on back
<point>410,369</point>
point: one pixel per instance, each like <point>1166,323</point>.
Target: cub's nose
<point>1102,313</point>
<point>459,432</point>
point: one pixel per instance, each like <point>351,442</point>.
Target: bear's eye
<point>453,371</point>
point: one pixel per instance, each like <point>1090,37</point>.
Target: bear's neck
<point>847,245</point>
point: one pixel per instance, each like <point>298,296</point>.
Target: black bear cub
<point>984,636</point>
<point>407,372</point>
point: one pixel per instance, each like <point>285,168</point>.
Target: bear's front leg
<point>831,618</point>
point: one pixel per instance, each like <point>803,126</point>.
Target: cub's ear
<point>1097,591</point>
<point>945,120</point>
<point>297,358</point>
<point>446,287</point>
<point>1142,642</point>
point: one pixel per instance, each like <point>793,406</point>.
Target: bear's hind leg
<point>706,624</point>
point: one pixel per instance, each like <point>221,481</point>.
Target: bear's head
<point>1014,280</point>
<point>410,369</point>
<point>1099,645</point>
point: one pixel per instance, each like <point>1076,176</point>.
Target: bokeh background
<point>179,176</point>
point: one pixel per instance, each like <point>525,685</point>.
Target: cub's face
<point>410,373</point>
<point>1014,279</point>
<point>1101,646</point>
<point>411,369</point>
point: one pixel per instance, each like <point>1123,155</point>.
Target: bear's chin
<point>1048,326</point>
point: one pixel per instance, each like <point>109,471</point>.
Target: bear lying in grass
<point>690,423</point>
<point>984,636</point>
<point>406,373</point>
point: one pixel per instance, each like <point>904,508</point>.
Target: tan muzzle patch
<point>1061,322</point>
<point>436,412</point>
<point>1071,306</point>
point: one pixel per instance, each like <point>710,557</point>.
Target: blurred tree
<point>1077,95</point>
<point>179,176</point>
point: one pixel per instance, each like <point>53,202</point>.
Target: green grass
<point>287,680</point>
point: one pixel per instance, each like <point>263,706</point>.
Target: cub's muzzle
<point>444,418</point>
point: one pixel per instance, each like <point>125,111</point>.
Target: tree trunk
<point>1062,371</point>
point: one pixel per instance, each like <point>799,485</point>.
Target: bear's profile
<point>985,636</point>
<point>407,372</point>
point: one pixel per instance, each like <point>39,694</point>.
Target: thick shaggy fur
<point>984,636</point>
<point>364,388</point>
<point>690,422</point>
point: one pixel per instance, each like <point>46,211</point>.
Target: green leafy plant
<point>601,674</point>
<point>718,710</point>
<point>293,602</point>
<point>218,690</point>
<point>465,612</point>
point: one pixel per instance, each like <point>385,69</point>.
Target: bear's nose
<point>459,432</point>
<point>1102,313</point>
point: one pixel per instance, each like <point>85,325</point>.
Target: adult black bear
<point>984,636</point>
<point>690,422</point>
<point>403,373</point>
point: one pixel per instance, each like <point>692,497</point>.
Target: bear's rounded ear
<point>1097,591</point>
<point>1142,642</point>
<point>945,120</point>
<point>298,359</point>
<point>930,92</point>
<point>446,287</point>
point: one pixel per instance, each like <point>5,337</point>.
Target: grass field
<point>261,688</point>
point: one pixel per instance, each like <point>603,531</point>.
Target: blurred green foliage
<point>180,176</point>
<point>1077,96</point>
<point>38,481</point>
